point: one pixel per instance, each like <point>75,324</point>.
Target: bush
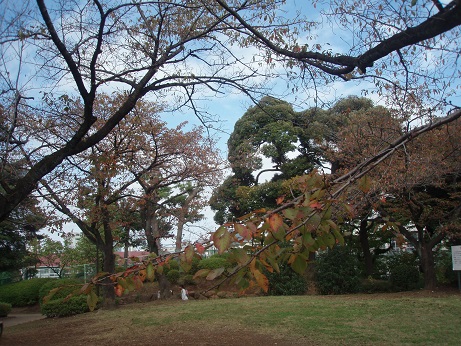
<point>57,308</point>
<point>404,277</point>
<point>444,268</point>
<point>187,280</point>
<point>173,276</point>
<point>22,293</point>
<point>338,272</point>
<point>68,286</point>
<point>5,309</point>
<point>376,286</point>
<point>286,283</point>
<point>214,262</point>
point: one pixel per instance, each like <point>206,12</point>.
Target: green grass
<point>334,320</point>
<point>322,320</point>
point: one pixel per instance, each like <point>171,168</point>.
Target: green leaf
<point>290,213</point>
<point>307,239</point>
<point>299,264</point>
<point>215,273</point>
<point>222,239</point>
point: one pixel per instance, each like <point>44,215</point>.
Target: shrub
<point>5,309</point>
<point>404,277</point>
<point>286,283</point>
<point>57,308</point>
<point>187,280</point>
<point>444,268</point>
<point>23,293</point>
<point>173,276</point>
<point>67,286</point>
<point>338,272</point>
<point>376,286</point>
<point>213,262</point>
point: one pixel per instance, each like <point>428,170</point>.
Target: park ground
<point>165,322</point>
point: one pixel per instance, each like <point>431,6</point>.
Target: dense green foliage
<point>5,309</point>
<point>337,271</point>
<point>58,308</point>
<point>173,276</point>
<point>404,277</point>
<point>22,293</point>
<point>187,280</point>
<point>213,262</point>
<point>274,131</point>
<point>444,268</point>
<point>286,283</point>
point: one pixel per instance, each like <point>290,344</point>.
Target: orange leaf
<point>200,248</point>
<point>280,200</point>
<point>262,280</point>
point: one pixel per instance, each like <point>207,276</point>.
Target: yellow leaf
<point>92,300</point>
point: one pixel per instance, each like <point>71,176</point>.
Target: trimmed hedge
<point>5,309</point>
<point>57,308</point>
<point>22,293</point>
<point>214,262</point>
<point>67,286</point>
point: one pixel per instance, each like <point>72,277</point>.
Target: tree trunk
<point>109,267</point>
<point>428,265</point>
<point>109,261</point>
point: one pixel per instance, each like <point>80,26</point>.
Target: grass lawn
<point>296,320</point>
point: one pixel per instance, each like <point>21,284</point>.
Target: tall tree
<point>153,47</point>
<point>270,131</point>
<point>418,186</point>
<point>169,50</point>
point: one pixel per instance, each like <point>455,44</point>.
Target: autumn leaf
<point>316,205</point>
<point>119,290</point>
<point>142,274</point>
<point>261,280</point>
<point>202,273</point>
<point>92,300</point>
<point>215,273</point>
<point>200,248</point>
<point>189,253</point>
<point>276,224</point>
<point>364,184</point>
<point>242,231</point>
